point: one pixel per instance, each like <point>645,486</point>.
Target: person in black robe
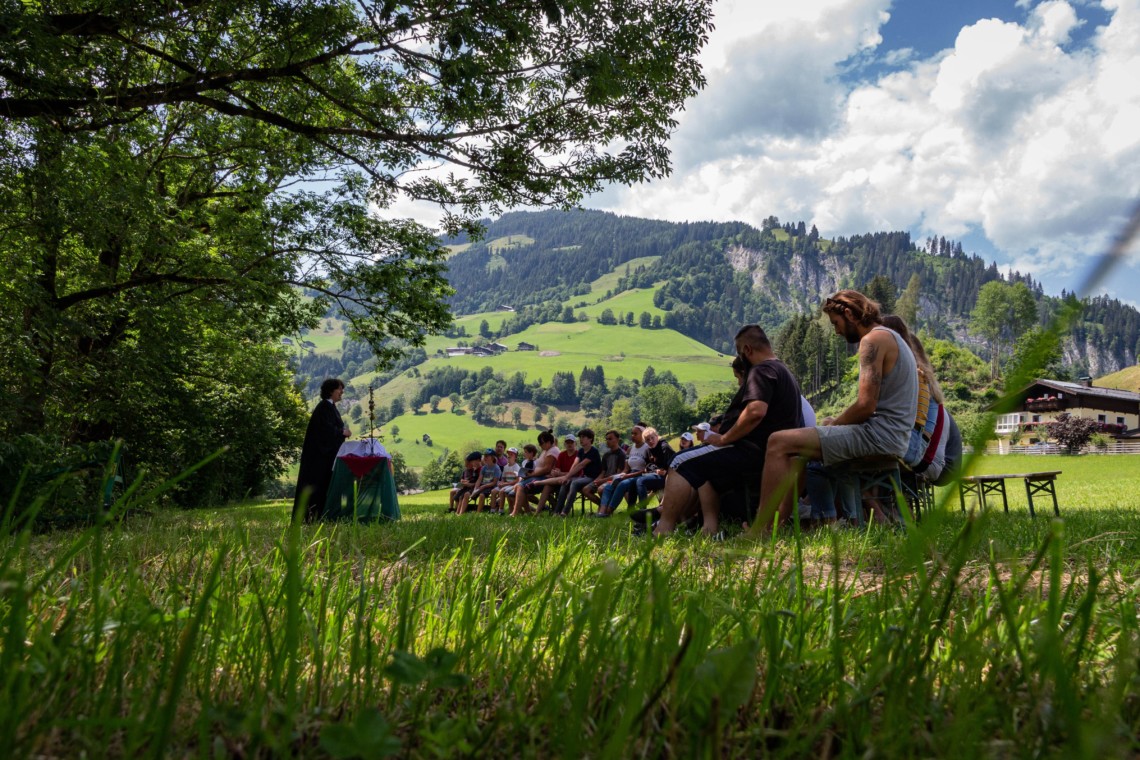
<point>323,437</point>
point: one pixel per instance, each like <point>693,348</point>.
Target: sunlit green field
<point>450,431</point>
<point>222,632</point>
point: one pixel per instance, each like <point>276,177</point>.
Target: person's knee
<point>784,444</point>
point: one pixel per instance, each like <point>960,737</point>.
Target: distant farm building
<point>526,347</point>
<point>458,351</point>
<point>1040,402</point>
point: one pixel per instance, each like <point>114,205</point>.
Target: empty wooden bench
<point>1035,483</point>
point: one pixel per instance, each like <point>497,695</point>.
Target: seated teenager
<point>586,467</point>
<point>526,474</point>
<point>685,443</point>
<point>549,485</point>
<point>625,481</point>
<point>501,453</point>
<point>878,424</point>
<point>926,452</point>
<point>489,476</point>
<point>613,462</point>
<point>545,464</point>
<point>512,473</point>
<point>659,458</point>
<point>768,401</point>
<point>468,479</point>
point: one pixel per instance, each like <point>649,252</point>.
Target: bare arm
<point>874,351</point>
<point>752,416</point>
<point>543,468</point>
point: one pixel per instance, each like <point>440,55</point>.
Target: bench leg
<point>1033,487</point>
<point>1004,501</point>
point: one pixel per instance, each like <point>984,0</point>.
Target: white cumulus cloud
<point>1014,132</point>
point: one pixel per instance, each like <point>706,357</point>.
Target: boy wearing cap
<point>488,479</point>
<point>468,479</point>
<point>507,482</point>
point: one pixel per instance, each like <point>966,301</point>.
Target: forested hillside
<point>715,276</point>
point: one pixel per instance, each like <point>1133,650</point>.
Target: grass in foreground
<point>224,632</point>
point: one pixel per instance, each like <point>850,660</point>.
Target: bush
<point>65,485</point>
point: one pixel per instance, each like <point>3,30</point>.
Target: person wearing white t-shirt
<point>635,462</point>
<point>509,479</point>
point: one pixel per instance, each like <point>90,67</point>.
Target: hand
<point>709,437</point>
<point>347,432</point>
<point>827,421</point>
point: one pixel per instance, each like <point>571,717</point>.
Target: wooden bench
<point>1035,483</point>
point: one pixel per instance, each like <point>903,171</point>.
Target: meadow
<point>225,632</point>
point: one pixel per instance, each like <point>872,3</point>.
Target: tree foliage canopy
<point>184,182</point>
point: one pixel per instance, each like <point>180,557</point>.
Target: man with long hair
<point>877,424</point>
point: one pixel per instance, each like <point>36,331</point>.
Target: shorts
<point>736,466</point>
<point>842,443</point>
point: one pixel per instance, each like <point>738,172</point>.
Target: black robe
<point>323,438</point>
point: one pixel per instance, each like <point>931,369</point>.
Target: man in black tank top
<point>768,401</point>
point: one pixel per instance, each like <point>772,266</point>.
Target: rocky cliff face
<point>805,281</point>
<point>1096,361</point>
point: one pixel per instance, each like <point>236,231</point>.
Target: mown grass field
<point>451,431</point>
<point>223,633</point>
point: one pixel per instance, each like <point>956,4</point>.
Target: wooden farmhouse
<point>1040,402</point>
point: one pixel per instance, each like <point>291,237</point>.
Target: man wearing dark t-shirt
<point>769,400</point>
<point>587,467</point>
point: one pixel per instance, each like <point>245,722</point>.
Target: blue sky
<point>1011,126</point>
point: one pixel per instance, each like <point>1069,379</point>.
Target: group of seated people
<point>549,480</point>
<point>746,465</point>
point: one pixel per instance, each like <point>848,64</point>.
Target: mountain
<point>717,276</point>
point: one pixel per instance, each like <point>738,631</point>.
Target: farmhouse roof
<point>1080,389</point>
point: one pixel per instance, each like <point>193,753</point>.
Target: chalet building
<point>1042,401</point>
<point>286,341</point>
<point>504,307</point>
<point>482,351</point>
<point>458,351</point>
<point>526,347</point>
<point>498,348</point>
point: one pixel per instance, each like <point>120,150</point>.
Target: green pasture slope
<point>1127,379</point>
<point>224,632</point>
<point>622,351</point>
<point>450,431</point>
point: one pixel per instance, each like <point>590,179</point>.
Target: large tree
<point>1001,315</point>
<point>177,169</point>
